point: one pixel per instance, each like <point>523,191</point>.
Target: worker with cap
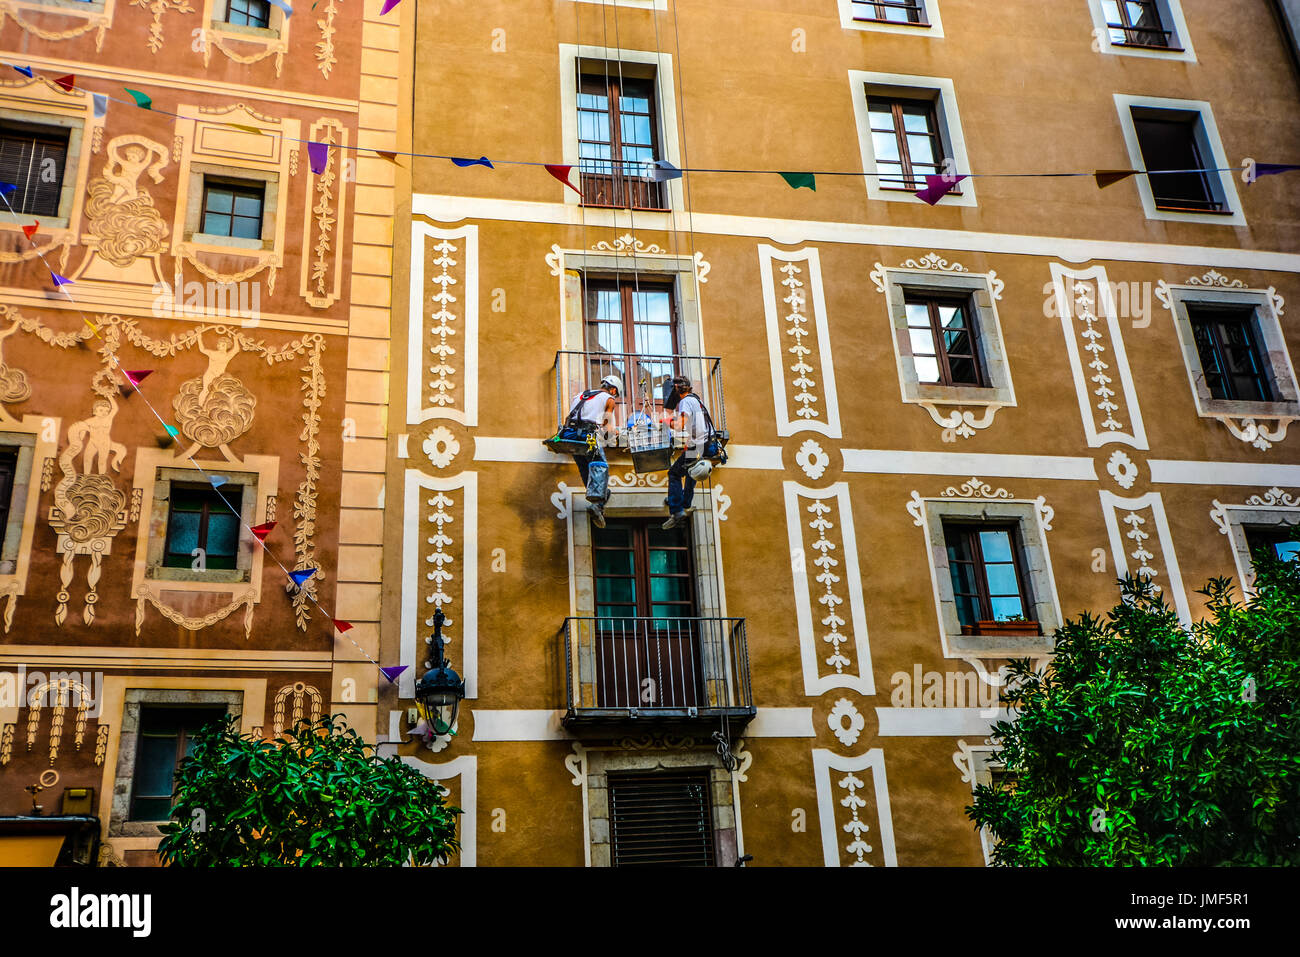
<point>593,411</point>
<point>689,466</point>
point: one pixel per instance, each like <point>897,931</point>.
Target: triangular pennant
<point>7,188</point>
<point>343,627</point>
<point>218,480</point>
<point>243,127</point>
<point>664,171</point>
<point>66,81</point>
<point>481,161</point>
<point>392,672</point>
<point>261,531</point>
<point>938,186</point>
<point>101,105</point>
<point>800,180</point>
<point>301,575</point>
<point>141,100</point>
<point>318,155</point>
<point>30,231</point>
<point>1273,169</point>
<point>60,280</point>
<point>562,174</point>
<point>136,376</point>
<point>93,328</point>
<point>1109,177</point>
<point>388,5</point>
<point>172,431</point>
<point>385,154</point>
<point>25,71</point>
<point>288,10</point>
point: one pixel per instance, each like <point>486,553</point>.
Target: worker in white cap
<point>593,411</point>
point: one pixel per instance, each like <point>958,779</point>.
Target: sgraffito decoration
<point>93,18</point>
<point>306,704</point>
<point>122,220</point>
<point>158,8</point>
<point>442,376</point>
<point>857,826</point>
<point>1142,546</point>
<point>322,242</point>
<point>215,409</point>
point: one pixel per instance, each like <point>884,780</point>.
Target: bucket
<point>652,449</point>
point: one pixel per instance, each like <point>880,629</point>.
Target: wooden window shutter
<point>663,819</point>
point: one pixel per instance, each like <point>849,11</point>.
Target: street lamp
<point>438,694</point>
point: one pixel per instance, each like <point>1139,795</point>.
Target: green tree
<point>317,795</point>
<point>1146,743</point>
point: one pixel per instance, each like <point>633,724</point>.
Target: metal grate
<point>661,819</point>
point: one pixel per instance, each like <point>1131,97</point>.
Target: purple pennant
<point>300,577</point>
<point>1272,169</point>
<point>388,5</point>
<point>60,280</point>
<point>481,161</point>
<point>937,187</point>
<point>317,156</point>
<point>392,671</point>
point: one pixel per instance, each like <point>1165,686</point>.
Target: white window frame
<point>1273,507</point>
<point>933,30</point>
<point>944,94</point>
<point>270,207</point>
<point>1212,153</point>
<point>1171,17</point>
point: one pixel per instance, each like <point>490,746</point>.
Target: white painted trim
<point>934,31</point>
<point>778,342</point>
<point>1136,437</point>
<point>937,722</point>
<point>467,345</point>
<point>810,643</point>
<point>964,465</point>
<point>665,107</point>
<point>763,457</point>
<point>950,133</point>
<point>793,232</point>
<point>498,449</point>
<point>1171,16</point>
<point>781,723</point>
<point>1218,158</point>
<point>1233,520</point>
<point>874,760</point>
<point>520,725</point>
<point>466,768</point>
<point>1111,504</point>
<point>466,617</point>
<point>1174,472</point>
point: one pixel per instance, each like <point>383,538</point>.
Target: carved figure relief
<point>14,386</point>
<point>121,213</point>
<point>215,409</point>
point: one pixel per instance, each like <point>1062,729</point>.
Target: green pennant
<point>141,100</point>
<point>799,180</point>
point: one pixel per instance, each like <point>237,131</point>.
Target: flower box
<point>1003,629</point>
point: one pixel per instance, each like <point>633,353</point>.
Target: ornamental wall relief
<point>123,224</point>
<point>215,409</point>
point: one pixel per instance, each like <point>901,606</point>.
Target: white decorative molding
<point>439,546</point>
<point>442,377</point>
<point>1216,278</point>
<point>465,770</point>
<point>1122,469</point>
<point>1275,497</point>
<point>722,502</point>
<point>975,489</point>
<point>441,447</point>
<point>798,341</point>
<point>846,721</point>
<point>1143,545</point>
<point>1104,385</point>
<point>937,722</point>
<point>1275,506</point>
<point>1182,472</point>
<point>856,830</point>
<point>548,725</point>
<point>812,459</point>
<point>814,517</point>
<point>958,465</point>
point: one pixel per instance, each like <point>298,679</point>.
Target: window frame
<point>911,180</point>
<point>971,530</point>
<point>1247,319</point>
<point>627,287</point>
<point>236,188</point>
<point>641,575</point>
<point>228,12</point>
<point>184,734</point>
<point>1128,27</point>
<point>205,513</point>
<point>621,196</point>
<point>932,27</point>
<point>881,9</point>
<point>1213,203</point>
<point>933,301</point>
<point>189,229</point>
<point>34,133</point>
<point>1172,20</point>
<point>8,486</point>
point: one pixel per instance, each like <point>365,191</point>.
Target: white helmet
<point>701,470</point>
<point>613,380</point>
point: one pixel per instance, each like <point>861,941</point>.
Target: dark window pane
<point>33,158</point>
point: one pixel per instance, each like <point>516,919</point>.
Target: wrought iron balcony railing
<point>643,378</point>
<point>664,669</point>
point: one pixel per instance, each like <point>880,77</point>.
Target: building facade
<point>160,161</point>
<point>951,426</point>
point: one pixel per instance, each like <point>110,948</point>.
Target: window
<point>1168,140</point>
<point>1136,23</point>
<point>33,158</point>
<point>631,332</point>
<point>890,11</point>
<point>8,467</point>
<point>618,141</point>
<point>199,518</point>
<point>166,736</point>
<point>249,13</point>
<point>1228,347</point>
<point>1155,29</point>
<point>905,137</point>
<point>942,333</point>
<point>233,208</point>
<point>661,819</point>
<point>1280,541</point>
<point>988,582</point>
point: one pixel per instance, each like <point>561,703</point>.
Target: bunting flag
<point>562,174</point>
<point>343,626</point>
<point>317,156</point>
<point>101,105</point>
<point>288,10</point>
<point>66,81</point>
<point>300,577</point>
<point>60,280</point>
<point>30,231</point>
<point>664,171</point>
<point>172,431</point>
<point>481,161</point>
<point>1109,177</point>
<point>800,180</point>
<point>218,480</point>
<point>1273,169</point>
<point>937,187</point>
<point>93,328</point>
<point>136,376</point>
<point>246,129</point>
<point>7,188</point>
<point>261,531</point>
<point>385,154</point>
<point>25,71</point>
<point>388,5</point>
<point>141,100</point>
<point>392,672</point>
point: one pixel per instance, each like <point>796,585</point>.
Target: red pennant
<point>30,231</point>
<point>261,531</point>
<point>1109,177</point>
<point>562,174</point>
<point>65,81</point>
<point>385,154</point>
<point>136,376</point>
<point>343,626</point>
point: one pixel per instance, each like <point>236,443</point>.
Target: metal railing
<point>666,668</point>
<point>1134,36</point>
<point>643,379</point>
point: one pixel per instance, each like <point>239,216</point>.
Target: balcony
<point>633,672</point>
<point>643,380</point>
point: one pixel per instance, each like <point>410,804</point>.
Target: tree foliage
<point>316,795</point>
<point>1146,743</point>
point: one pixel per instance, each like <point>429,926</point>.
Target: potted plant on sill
<point>1013,626</point>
